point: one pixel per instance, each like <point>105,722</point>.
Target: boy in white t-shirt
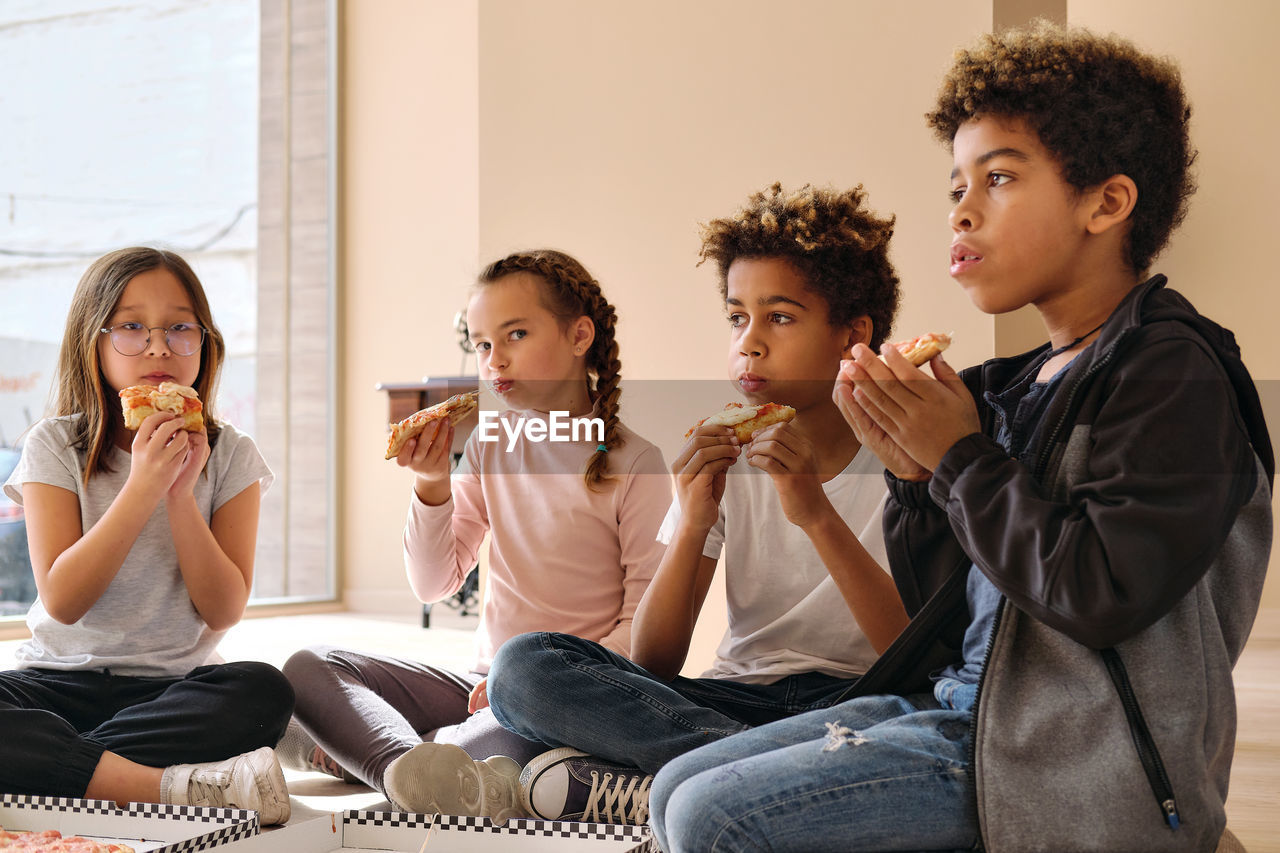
<point>796,510</point>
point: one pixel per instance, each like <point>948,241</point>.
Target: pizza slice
<point>921,349</point>
<point>455,409</point>
<point>141,401</point>
<point>51,841</point>
<point>744,420</point>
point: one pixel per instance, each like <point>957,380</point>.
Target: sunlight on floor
<point>448,643</point>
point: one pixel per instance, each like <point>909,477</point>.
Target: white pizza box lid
<point>382,831</point>
<point>146,827</point>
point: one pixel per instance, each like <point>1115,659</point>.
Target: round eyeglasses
<point>134,338</point>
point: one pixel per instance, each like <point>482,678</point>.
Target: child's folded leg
<point>211,714</point>
<point>483,737</point>
<point>872,774</point>
<point>364,710</point>
<point>635,719</point>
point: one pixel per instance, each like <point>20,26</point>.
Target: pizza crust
<point>138,402</point>
<point>924,348</point>
<point>745,420</point>
<point>455,408</point>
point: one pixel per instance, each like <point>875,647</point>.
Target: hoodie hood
<point>1153,302</point>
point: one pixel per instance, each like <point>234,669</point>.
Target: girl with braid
<point>573,546</point>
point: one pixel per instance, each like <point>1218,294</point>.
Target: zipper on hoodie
<point>1042,460</point>
<point>1148,754</point>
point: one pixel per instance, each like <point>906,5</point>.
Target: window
<point>204,128</point>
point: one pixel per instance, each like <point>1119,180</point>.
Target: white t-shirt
<point>144,624</point>
<point>786,615</point>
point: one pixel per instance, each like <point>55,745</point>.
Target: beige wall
<point>1222,258</point>
<point>409,216</point>
<point>611,130</point>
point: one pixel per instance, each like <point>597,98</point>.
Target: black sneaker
<point>566,784</point>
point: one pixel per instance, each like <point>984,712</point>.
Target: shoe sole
<point>533,772</point>
<point>500,776</point>
<point>442,778</point>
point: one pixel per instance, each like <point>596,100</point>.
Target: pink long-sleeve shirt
<point>561,556</point>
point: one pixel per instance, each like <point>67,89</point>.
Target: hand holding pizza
<point>192,464</point>
<point>894,458</point>
<point>159,450</point>
<point>428,455</point>
<point>699,471</point>
<point>423,443</point>
<point>787,456</point>
<point>908,419</point>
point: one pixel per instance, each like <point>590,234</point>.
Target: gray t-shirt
<point>144,624</point>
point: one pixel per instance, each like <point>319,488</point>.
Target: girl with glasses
<point>142,545</point>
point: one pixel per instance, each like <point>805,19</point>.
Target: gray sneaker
<point>250,781</point>
<point>443,779</point>
<point>566,784</point>
<point>298,751</point>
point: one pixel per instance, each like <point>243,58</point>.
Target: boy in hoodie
<point>1080,533</point>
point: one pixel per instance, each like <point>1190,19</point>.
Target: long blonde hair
<point>80,386</point>
<point>569,292</point>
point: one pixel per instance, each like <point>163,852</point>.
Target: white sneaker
<point>567,784</point>
<point>443,779</point>
<point>250,781</point>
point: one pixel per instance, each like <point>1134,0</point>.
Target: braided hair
<point>571,292</point>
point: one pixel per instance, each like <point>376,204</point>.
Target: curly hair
<point>1098,104</point>
<point>571,292</point>
<point>838,246</point>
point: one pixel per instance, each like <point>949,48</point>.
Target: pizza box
<point>146,827</point>
<point>381,831</point>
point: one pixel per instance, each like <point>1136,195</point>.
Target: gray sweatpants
<point>366,710</point>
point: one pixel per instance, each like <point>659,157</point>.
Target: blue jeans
<point>566,691</point>
<point>877,773</point>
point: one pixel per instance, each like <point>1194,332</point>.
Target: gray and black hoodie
<point>1130,557</point>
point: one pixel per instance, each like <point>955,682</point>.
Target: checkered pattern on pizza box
<point>452,834</point>
<point>392,819</point>
<point>386,830</point>
<point>25,802</point>
<point>425,833</point>
<point>146,827</point>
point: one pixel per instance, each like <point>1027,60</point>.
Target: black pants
<point>54,725</point>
